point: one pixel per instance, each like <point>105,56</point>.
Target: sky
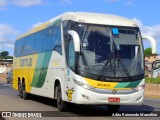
<point>19,16</point>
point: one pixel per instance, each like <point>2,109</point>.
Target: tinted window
<point>56,39</point>
<point>48,39</point>
<point>38,41</point>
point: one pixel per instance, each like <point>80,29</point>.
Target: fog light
<point>86,97</point>
<point>138,98</point>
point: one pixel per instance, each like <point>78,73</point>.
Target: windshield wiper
<point>109,60</point>
<point>103,69</point>
<point>124,67</point>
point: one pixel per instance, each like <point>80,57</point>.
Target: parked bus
<point>82,58</point>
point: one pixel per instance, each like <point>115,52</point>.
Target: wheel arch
<point>57,82</point>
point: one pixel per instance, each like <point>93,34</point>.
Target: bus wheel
<point>24,93</point>
<point>61,105</point>
<point>113,108</point>
<point>20,90</point>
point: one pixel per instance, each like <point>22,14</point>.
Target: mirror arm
<point>152,41</point>
<point>76,40</point>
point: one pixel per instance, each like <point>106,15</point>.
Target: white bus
<point>82,58</point>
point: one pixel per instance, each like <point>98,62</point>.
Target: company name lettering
<point>26,62</point>
<point>103,85</point>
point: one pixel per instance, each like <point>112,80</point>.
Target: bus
<point>82,58</point>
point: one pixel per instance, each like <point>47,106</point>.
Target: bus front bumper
<point>84,96</point>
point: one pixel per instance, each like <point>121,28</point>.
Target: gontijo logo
<point>26,62</point>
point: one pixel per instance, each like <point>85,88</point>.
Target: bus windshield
<point>114,52</point>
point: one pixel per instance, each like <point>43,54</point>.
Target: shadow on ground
<point>86,110</point>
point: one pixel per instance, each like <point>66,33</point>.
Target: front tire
<point>61,105</point>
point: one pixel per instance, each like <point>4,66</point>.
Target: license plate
<point>114,99</point>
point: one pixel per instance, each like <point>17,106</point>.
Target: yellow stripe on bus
<point>24,67</point>
<point>103,85</point>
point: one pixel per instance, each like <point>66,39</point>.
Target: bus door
<point>71,56</point>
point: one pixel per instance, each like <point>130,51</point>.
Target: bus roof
<point>85,17</point>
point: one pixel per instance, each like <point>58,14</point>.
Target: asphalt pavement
<point>45,107</point>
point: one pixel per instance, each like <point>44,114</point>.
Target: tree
<point>4,54</point>
<point>147,52</point>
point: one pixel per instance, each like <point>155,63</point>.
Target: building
<point>5,65</point>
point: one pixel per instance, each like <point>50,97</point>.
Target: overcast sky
<point>18,16</point>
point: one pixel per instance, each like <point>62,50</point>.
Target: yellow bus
<point>82,58</point>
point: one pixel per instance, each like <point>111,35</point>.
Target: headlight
<point>138,88</point>
<point>83,84</point>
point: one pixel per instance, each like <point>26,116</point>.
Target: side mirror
<point>153,43</point>
<point>76,40</point>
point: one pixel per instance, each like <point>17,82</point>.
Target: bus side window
<point>45,44</point>
<point>38,42</point>
<point>56,37</point>
<point>17,49</point>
